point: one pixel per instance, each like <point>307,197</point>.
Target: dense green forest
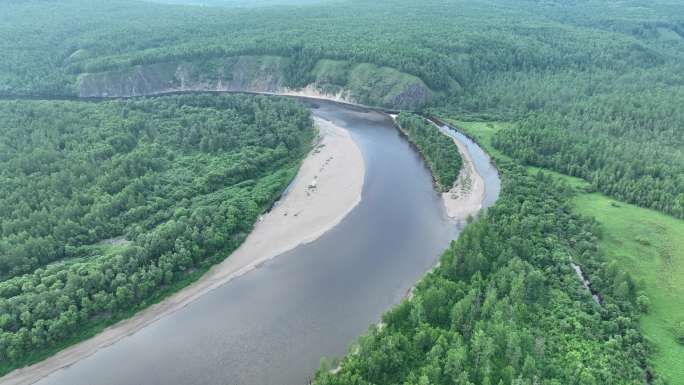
<point>593,89</point>
<point>439,151</point>
<point>638,160</point>
<point>603,75</point>
<point>504,306</point>
<point>643,242</point>
<point>177,182</point>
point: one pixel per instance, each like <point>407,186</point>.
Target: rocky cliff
<point>357,83</point>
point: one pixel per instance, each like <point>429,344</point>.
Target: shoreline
<point>470,188</point>
<point>465,197</point>
<point>339,185</point>
<point>327,187</point>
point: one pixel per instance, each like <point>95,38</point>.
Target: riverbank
<point>466,196</point>
<point>327,187</point>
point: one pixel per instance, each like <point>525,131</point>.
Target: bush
<point>643,302</point>
<point>679,332</point>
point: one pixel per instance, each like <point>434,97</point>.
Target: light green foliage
<point>372,85</point>
<point>332,72</point>
<point>679,332</point>
<point>385,86</point>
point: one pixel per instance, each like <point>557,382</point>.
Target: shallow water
<point>272,325</point>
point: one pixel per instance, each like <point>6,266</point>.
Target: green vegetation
<point>505,306</point>
<point>484,133</point>
<point>645,168</point>
<point>650,246</point>
<point>371,85</point>
<point>644,243</point>
<point>439,151</point>
<point>527,63</point>
<point>106,207</point>
<point>592,88</point>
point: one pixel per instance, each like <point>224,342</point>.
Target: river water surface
<point>272,325</point>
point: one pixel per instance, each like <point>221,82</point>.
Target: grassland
<point>646,243</point>
<point>650,246</point>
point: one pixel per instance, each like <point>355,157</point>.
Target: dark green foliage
<point>636,161</point>
<point>505,306</point>
<point>595,87</point>
<point>182,178</point>
<point>298,70</point>
<point>679,332</point>
<point>439,150</point>
<point>603,76</point>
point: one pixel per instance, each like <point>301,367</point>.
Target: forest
<point>106,205</point>
<point>528,62</point>
<point>116,202</point>
<point>440,153</point>
<point>504,305</point>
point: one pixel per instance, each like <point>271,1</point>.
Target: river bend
<point>272,325</point>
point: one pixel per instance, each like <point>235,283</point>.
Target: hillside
<point>357,83</point>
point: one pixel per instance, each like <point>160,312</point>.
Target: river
<point>272,325</point>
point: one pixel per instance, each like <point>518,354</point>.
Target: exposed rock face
<point>412,97</point>
<point>245,73</point>
<point>379,86</point>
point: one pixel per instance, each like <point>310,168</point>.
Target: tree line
<point>529,63</point>
<point>593,91</point>
<point>178,181</point>
<point>439,150</point>
<point>504,306</point>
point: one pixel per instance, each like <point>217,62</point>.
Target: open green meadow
<point>650,246</point>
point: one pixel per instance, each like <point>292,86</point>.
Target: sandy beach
<point>327,187</point>
<point>466,196</point>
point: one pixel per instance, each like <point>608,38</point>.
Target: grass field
<point>650,246</point>
<point>646,243</point>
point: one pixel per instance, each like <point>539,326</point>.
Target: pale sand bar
<point>466,196</point>
<point>304,214</point>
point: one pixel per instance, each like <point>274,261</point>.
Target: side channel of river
<point>271,326</point>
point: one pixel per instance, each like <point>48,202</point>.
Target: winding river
<point>272,325</point>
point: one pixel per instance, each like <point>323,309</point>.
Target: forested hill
<point>603,76</point>
<point>106,206</point>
